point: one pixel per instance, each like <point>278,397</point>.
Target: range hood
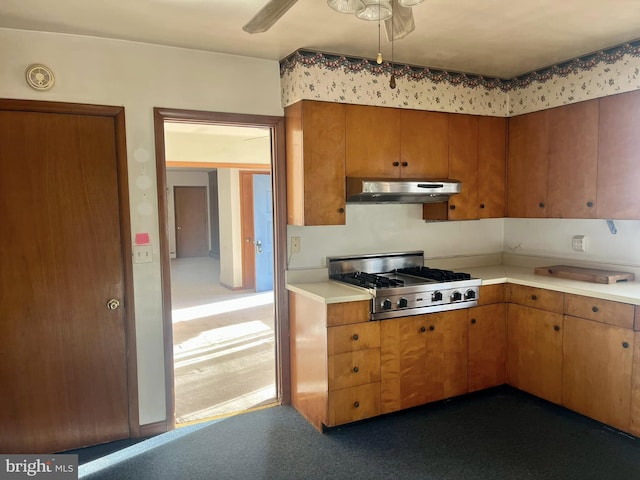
<point>386,190</point>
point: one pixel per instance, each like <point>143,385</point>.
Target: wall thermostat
<point>39,77</point>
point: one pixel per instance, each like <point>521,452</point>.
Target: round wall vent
<point>39,77</point>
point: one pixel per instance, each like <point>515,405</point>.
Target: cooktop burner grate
<point>369,280</point>
<point>434,274</point>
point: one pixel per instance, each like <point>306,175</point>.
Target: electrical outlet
<point>579,243</point>
<point>295,244</point>
<point>143,254</point>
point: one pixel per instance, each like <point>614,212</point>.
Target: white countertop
<point>626,292</point>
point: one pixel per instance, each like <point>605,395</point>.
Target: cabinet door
<point>596,378</point>
<point>527,166</point>
<point>634,426</point>
<point>487,346</point>
<point>463,165</point>
<point>573,158</point>
<point>534,351</point>
<point>424,146</point>
<point>492,166</point>
<point>619,157</point>
<point>372,141</point>
<point>315,163</point>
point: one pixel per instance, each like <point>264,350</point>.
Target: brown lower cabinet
<point>487,346</point>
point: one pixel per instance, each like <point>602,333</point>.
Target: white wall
<point>140,77</point>
<point>183,179</point>
<point>393,228</point>
<point>230,227</point>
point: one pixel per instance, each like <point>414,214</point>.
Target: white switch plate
<point>295,244</point>
<point>579,243</point>
<point>142,254</point>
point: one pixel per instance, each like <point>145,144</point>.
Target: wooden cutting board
<point>585,274</point>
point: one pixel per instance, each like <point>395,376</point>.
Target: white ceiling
<point>502,38</point>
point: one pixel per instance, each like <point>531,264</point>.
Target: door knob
<point>179,228</point>
<point>258,246</point>
<point>113,304</point>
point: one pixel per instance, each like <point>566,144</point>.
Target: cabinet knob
<point>534,297</point>
<point>482,205</point>
<point>355,337</point>
<point>432,328</point>
<point>556,328</point>
<point>356,369</point>
<point>356,404</point>
<point>341,210</point>
<point>473,321</point>
<point>541,204</point>
<point>594,309</point>
<point>589,204</point>
<point>396,164</point>
<point>452,207</point>
<point>625,344</point>
<point>405,164</point>
<point>423,329</point>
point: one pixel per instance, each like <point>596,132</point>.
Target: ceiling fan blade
<point>401,23</point>
<point>268,15</point>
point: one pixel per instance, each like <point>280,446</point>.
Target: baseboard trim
<point>151,429</point>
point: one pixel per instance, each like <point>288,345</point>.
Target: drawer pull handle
<point>625,344</point>
<point>405,164</point>
<point>341,210</point>
<point>396,164</point>
<point>541,204</point>
<point>423,329</point>
<point>556,328</point>
<point>534,297</point>
<point>355,337</point>
<point>356,369</point>
<point>594,309</point>
<point>473,321</point>
<point>432,328</point>
<point>356,404</point>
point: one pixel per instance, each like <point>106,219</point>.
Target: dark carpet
<point>499,434</point>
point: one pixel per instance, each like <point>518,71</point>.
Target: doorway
<point>231,339</point>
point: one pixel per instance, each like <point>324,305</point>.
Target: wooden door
<point>492,166</point>
<point>619,157</point>
<point>463,165</point>
<point>596,370</point>
<point>248,234</point>
<point>573,159</point>
<point>63,352</point>
<point>372,141</point>
<point>487,346</point>
<point>424,144</point>
<point>192,238</point>
<point>534,351</point>
<point>527,166</point>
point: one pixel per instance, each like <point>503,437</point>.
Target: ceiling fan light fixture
<point>409,3</point>
<point>375,10</point>
<point>346,6</point>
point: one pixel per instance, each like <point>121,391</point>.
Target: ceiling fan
<point>399,25</point>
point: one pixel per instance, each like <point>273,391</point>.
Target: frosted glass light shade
<point>375,10</point>
<point>346,6</point>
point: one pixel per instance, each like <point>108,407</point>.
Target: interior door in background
<point>63,354</point>
<point>263,231</point>
<point>192,236</point>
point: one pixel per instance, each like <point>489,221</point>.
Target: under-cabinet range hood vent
<point>385,190</point>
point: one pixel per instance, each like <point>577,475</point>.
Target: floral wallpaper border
<point>307,74</point>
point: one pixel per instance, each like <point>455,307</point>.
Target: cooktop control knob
<point>456,296</point>
<point>470,295</point>
<point>403,303</point>
<point>436,297</point>
<point>386,304</point>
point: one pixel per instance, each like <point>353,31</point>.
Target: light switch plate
<point>142,254</point>
<point>579,243</point>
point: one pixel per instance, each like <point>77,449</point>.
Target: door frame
<point>124,211</point>
<point>278,179</point>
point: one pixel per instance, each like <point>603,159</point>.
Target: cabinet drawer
<point>491,294</point>
<point>355,403</point>
<point>348,312</point>
<point>536,297</point>
<point>354,368</point>
<point>605,311</point>
<point>349,338</point>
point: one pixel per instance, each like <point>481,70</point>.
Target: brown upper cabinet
<point>619,157</point>
<point>396,143</point>
<point>316,192</point>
